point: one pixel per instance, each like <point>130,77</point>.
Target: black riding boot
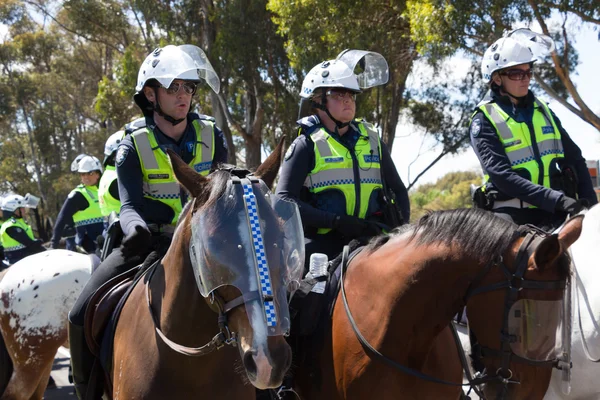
<point>82,360</point>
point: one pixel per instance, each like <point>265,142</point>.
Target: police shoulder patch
<point>121,154</point>
<point>290,151</point>
<point>475,127</point>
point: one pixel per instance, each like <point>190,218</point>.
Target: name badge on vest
<point>513,143</point>
<point>547,129</point>
<point>371,158</point>
<point>333,159</point>
<point>158,176</point>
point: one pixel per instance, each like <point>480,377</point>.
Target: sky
<point>412,154</point>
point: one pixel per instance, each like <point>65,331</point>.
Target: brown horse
<point>191,285</point>
<point>403,291</point>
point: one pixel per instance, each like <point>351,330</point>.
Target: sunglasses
<point>341,94</point>
<point>188,87</point>
<point>517,74</point>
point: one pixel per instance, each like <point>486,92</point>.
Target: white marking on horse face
<point>259,344</point>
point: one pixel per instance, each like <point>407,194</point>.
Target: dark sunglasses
<point>517,74</point>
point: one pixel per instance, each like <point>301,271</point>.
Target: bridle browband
<point>514,283</point>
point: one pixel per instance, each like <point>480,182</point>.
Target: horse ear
<point>267,171</point>
<point>554,245</point>
<point>192,181</point>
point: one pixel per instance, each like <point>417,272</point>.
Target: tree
<point>451,191</point>
<point>473,26</point>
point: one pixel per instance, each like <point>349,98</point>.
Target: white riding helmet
<point>112,143</point>
<point>186,62</point>
<point>89,164</point>
<point>12,202</point>
<point>75,163</point>
<point>332,73</point>
<point>505,52</point>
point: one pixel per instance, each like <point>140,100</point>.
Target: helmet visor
<point>371,68</point>
<point>203,67</point>
<point>540,45</point>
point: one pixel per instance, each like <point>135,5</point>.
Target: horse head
<point>245,247</point>
<point>516,314</point>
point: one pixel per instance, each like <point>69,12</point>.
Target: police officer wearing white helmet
<point>334,170</point>
<point>151,198</point>
<point>534,172</point>
<point>82,206</point>
<point>16,234</point>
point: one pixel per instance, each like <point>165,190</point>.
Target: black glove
<point>373,229</point>
<point>137,243</point>
<point>569,205</point>
<point>349,226</point>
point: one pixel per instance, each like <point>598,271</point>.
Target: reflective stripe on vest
<point>8,242</point>
<point>334,169</point>
<point>159,181</point>
<point>516,139</point>
<point>108,203</point>
<point>92,214</point>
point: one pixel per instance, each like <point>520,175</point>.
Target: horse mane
<point>479,233</point>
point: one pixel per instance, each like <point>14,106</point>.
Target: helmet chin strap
<point>160,112</point>
<point>323,106</point>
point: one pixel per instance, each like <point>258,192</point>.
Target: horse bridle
<point>514,283</point>
<point>225,335</point>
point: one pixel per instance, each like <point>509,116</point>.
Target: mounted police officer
<point>82,207</point>
<point>151,198</point>
<point>15,233</point>
<point>534,172</point>
<point>337,167</point>
<point>108,191</point>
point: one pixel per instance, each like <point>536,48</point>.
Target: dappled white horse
<point>585,374</point>
<point>36,295</point>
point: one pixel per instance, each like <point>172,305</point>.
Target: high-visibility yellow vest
<point>159,181</point>
<point>335,169</point>
<point>8,242</point>
<point>516,139</point>
<point>92,214</point>
<point>108,203</point>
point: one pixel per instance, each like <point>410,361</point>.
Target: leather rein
<point>224,337</point>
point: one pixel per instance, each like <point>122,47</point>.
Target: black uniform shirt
<point>495,162</point>
<point>300,160</point>
<point>135,208</point>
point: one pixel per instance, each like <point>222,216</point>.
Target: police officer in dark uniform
<point>334,169</point>
<point>148,216</point>
<point>81,208</point>
<point>535,173</point>
<point>15,233</point>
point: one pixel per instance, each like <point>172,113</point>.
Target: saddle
<point>101,306</point>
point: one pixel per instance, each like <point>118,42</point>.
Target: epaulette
<point>202,117</point>
<point>135,125</point>
<point>308,125</point>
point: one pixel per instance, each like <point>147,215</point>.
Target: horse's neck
<point>424,288</point>
<point>182,311</point>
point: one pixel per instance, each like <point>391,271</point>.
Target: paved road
<point>64,390</point>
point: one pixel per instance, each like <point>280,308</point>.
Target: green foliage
<point>449,192</point>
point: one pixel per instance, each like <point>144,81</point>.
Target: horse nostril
<point>249,363</point>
